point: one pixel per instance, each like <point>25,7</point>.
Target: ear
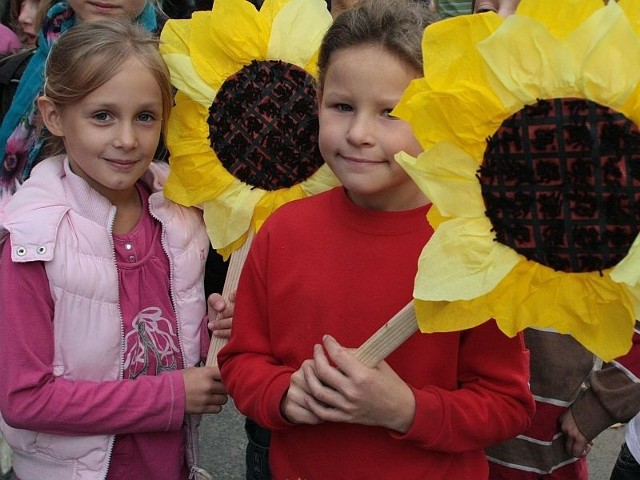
<point>50,114</point>
<point>319,97</point>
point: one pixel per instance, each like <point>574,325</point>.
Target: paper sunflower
<point>243,132</point>
<point>532,161</point>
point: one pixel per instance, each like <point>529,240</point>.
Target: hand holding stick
<point>236,262</point>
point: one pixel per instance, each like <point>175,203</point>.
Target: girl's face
<point>111,134</point>
<point>26,19</point>
<point>358,136</point>
<point>504,8</point>
<point>90,10</point>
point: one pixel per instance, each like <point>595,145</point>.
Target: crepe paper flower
<point>243,132</point>
<point>532,162</point>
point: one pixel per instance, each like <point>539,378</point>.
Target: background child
<point>627,465</point>
<point>101,279</point>
<point>329,270</point>
<point>20,146</point>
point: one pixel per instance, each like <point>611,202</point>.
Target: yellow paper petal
<point>607,52</point>
<point>447,61</point>
<point>298,30</point>
<point>237,209</point>
<point>599,317</point>
<point>219,50</point>
<point>447,176</point>
<point>628,269</point>
<point>527,62</point>
<point>186,79</point>
<point>435,218</point>
<point>462,261</point>
<point>454,90</point>
<point>634,296</point>
<point>559,17</point>
<point>191,158</point>
<point>174,46</point>
<point>631,9</point>
<point>323,180</point>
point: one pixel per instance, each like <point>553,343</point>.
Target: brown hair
<point>89,54</point>
<point>396,25</point>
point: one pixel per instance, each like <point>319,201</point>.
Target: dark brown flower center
<point>263,125</point>
<point>561,184</point>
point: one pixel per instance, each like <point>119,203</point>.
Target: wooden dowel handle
<point>389,337</point>
<point>236,262</point>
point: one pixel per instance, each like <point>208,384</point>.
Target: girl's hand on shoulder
<point>293,406</point>
<point>204,390</point>
<point>220,313</point>
<point>350,392</point>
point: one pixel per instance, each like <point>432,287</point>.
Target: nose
<point>126,137</point>
<point>361,130</point>
<point>25,17</point>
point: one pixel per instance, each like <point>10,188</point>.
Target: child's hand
<point>220,313</point>
<point>294,403</point>
<point>576,443</point>
<point>350,392</point>
<point>204,390</point>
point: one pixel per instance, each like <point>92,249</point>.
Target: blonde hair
<point>396,25</point>
<point>90,53</point>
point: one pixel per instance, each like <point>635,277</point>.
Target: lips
<point>363,161</point>
<point>104,7</point>
<point>121,163</point>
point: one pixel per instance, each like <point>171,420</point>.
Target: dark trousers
<point>257,453</point>
<point>626,467</point>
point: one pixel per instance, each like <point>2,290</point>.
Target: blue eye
<point>343,107</point>
<point>101,116</point>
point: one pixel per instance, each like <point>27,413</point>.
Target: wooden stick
<point>236,262</point>
<point>389,337</point>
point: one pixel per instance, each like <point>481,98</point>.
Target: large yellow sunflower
<point>532,161</point>
<point>243,133</point>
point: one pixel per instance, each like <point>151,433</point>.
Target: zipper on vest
<point>112,438</point>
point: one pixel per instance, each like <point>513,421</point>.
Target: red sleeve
<point>32,398</point>
<point>493,402</point>
<point>253,378</point>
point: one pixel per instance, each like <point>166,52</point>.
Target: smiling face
<point>90,10</point>
<point>111,134</point>
<point>358,136</point>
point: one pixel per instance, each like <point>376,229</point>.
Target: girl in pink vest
<point>103,313</point>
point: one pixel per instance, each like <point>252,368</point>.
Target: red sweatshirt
<point>325,266</point>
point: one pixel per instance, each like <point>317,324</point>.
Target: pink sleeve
<point>9,41</point>
<point>32,398</point>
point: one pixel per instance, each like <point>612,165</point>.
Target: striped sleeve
<point>612,394</point>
